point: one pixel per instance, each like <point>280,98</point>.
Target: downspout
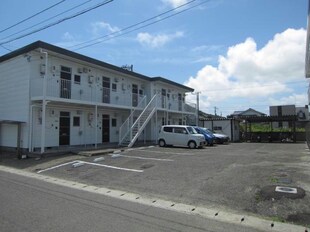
<point>44,105</point>
<point>30,148</point>
<point>96,125</point>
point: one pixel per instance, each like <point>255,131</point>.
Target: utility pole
<point>197,107</point>
<point>215,108</point>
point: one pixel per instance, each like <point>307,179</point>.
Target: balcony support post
<point>44,102</point>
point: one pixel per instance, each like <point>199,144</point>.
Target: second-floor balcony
<point>94,93</point>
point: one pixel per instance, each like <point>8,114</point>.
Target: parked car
<point>208,136</point>
<point>180,135</point>
<point>218,138</point>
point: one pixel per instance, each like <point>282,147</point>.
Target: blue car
<point>208,136</point>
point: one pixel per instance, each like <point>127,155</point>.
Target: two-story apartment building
<point>51,97</point>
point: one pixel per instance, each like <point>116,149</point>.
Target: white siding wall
<point>14,89</point>
<point>86,90</point>
<point>14,99</point>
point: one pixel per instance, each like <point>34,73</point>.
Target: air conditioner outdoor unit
<point>85,70</point>
<point>80,70</point>
<point>116,79</point>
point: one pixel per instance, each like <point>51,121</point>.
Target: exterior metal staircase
<point>132,128</point>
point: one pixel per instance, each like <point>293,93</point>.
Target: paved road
<point>29,204</point>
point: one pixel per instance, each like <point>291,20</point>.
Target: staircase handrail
<point>126,124</point>
<point>145,109</point>
<point>149,106</point>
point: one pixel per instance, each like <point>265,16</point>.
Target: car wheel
<point>192,145</point>
<point>162,143</point>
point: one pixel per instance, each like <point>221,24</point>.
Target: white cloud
<point>99,27</point>
<point>159,40</point>
<point>174,3</point>
<point>246,71</point>
<point>67,36</point>
<point>294,99</point>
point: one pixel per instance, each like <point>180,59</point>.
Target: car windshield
<point>191,130</point>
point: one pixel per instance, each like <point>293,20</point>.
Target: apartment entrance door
<point>65,82</point>
<point>105,128</point>
<point>106,89</point>
<point>64,128</point>
<point>134,95</point>
<point>180,102</point>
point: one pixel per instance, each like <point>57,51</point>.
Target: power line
<point>6,48</point>
<point>48,19</point>
<point>32,16</point>
<point>117,34</point>
<point>58,22</point>
<point>131,26</point>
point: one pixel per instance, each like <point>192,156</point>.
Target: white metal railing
<point>139,125</point>
<point>125,127</point>
<point>174,104</point>
<point>60,88</point>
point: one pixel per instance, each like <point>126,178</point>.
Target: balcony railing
<point>60,88</point>
<point>66,89</point>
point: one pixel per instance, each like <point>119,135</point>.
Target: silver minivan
<point>180,135</point>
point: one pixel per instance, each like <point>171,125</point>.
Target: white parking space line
<point>89,163</point>
<point>113,167</point>
<point>144,158</point>
<point>167,152</point>
<point>57,166</point>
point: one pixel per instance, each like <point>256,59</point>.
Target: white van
<point>179,135</point>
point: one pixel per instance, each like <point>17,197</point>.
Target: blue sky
<point>237,53</point>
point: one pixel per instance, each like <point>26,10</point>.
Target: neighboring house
<point>52,97</point>
<point>249,112</point>
<point>302,114</point>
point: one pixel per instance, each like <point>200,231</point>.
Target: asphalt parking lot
<point>236,176</point>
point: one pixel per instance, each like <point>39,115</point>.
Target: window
<point>141,92</point>
<point>218,128</point>
<point>77,79</point>
<point>106,82</point>
<point>114,87</point>
<point>168,129</point>
<point>113,122</point>
<point>76,121</point>
<point>191,130</point>
<point>65,69</point>
<point>180,130</point>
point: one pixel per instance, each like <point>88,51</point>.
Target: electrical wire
<point>134,25</point>
<point>117,34</point>
<point>48,19</point>
<point>32,16</point>
<point>59,21</point>
<point>5,48</point>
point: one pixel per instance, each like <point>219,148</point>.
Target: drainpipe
<point>44,104</point>
<point>96,124</point>
<point>30,148</point>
